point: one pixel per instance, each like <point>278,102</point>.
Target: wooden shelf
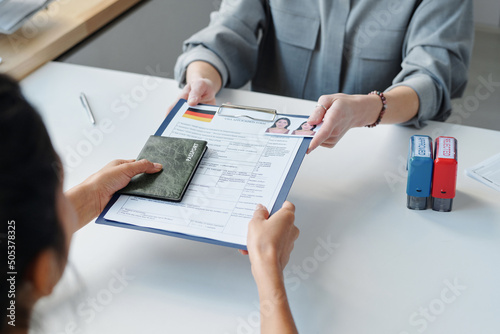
<point>55,30</point>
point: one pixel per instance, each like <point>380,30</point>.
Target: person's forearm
<point>276,316</point>
<point>402,105</point>
<point>203,70</point>
<point>85,203</point>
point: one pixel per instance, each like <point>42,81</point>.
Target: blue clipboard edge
<point>283,194</point>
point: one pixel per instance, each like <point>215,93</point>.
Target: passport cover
<point>180,158</point>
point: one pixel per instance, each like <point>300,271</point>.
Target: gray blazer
<point>305,49</point>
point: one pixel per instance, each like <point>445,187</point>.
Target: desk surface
<point>363,263</point>
<point>53,31</point>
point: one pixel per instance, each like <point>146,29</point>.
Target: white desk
<point>386,274</point>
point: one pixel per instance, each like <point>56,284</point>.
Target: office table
<point>363,263</point>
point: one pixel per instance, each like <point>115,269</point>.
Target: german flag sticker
<point>199,115</point>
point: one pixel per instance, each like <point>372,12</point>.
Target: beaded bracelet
<point>382,112</point>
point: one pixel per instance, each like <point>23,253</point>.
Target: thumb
<point>190,94</point>
<point>141,166</point>
<point>195,93</point>
<point>193,100</point>
<point>288,206</point>
<point>261,212</point>
<point>286,213</point>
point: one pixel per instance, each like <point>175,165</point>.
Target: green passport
<point>180,158</point>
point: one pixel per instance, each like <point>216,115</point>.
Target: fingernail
<point>192,100</point>
<point>259,207</point>
<point>158,166</point>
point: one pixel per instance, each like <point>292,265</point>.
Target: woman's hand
<point>270,242</point>
<point>203,82</point>
<point>116,175</point>
<point>91,196</point>
<point>342,112</point>
<point>198,91</point>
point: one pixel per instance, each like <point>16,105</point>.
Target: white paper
<point>487,172</point>
<point>241,168</point>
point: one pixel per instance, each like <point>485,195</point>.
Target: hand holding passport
<point>180,158</point>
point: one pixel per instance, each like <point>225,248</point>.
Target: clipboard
<point>282,195</point>
<point>267,115</point>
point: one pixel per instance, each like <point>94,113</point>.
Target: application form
<point>242,167</point>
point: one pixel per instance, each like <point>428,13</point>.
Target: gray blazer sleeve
<point>436,56</point>
<point>229,43</point>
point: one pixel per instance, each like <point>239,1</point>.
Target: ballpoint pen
<point>86,105</point>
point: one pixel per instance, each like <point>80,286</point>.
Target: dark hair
<point>29,177</point>
<point>300,126</point>
<point>279,119</point>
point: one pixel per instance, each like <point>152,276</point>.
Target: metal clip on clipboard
<point>267,112</point>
